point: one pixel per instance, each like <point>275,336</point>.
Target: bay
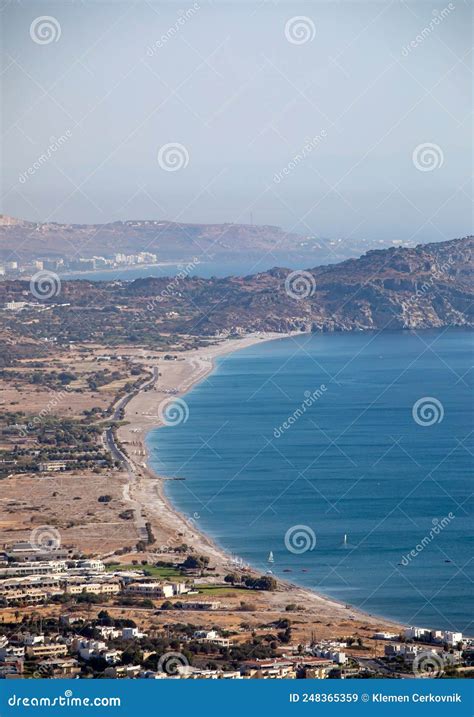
<point>387,497</point>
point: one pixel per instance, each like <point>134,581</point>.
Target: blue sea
<point>205,269</point>
<point>349,458</point>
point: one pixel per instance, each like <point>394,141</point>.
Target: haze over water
<point>355,463</point>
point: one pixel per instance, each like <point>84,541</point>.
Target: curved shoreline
<point>169,525</point>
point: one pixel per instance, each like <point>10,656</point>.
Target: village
<point>75,623</point>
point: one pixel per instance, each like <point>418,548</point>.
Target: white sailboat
<point>271,559</point>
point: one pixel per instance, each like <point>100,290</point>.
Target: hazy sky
<point>242,87</point>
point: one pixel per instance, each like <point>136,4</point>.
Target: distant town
<point>22,270</point>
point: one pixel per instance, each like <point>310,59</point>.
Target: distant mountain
<point>428,286</point>
<point>211,243</point>
<point>167,239</point>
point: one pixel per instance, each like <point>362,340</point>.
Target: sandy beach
<point>145,490</point>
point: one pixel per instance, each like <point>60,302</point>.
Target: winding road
<point>111,444</point>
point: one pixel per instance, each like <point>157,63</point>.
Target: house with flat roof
<point>51,649</point>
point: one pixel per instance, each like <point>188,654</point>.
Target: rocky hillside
<point>425,287</point>
<point>428,286</point>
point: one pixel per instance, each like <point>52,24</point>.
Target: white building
<point>413,633</point>
<point>408,652</point>
<point>92,566</point>
<point>211,637</point>
<point>452,638</point>
<point>15,305</point>
<point>108,632</point>
<point>89,648</point>
<point>130,633</point>
<point>155,589</point>
<point>15,651</point>
<point>385,636</point>
<point>334,655</point>
<point>113,657</point>
<point>150,589</point>
<point>29,640</point>
<point>34,568</point>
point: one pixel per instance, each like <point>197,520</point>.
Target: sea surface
<point>204,269</point>
<point>384,488</point>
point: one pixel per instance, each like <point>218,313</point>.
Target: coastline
<point>146,492</point>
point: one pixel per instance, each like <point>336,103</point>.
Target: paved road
<point>118,455</point>
<point>122,402</point>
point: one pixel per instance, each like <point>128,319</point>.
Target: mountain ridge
<point>173,241</point>
<point>429,286</point>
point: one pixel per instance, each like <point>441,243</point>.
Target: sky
<point>332,119</point>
